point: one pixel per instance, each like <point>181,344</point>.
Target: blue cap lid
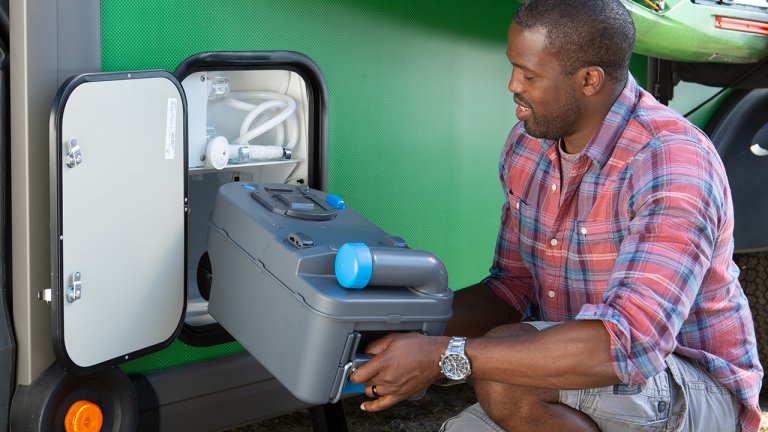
<point>354,265</point>
<point>335,201</point>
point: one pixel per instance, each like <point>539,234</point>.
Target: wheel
<point>43,405</point>
<point>204,276</point>
<point>754,281</point>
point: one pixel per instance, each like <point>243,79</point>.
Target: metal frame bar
<point>50,41</point>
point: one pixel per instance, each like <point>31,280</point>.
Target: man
<point>615,239</point>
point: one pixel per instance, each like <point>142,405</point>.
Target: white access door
<point>119,212</point>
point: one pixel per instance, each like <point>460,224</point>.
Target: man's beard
<point>556,125</point>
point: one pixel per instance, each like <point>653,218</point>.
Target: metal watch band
<point>456,345</point>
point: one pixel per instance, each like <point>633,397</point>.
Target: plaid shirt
<point>642,241</point>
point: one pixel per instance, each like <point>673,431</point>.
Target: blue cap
<point>354,265</point>
<point>336,202</point>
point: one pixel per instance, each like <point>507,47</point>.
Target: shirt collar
<point>604,141</point>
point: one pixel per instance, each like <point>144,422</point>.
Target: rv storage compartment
<point>253,116</point>
<point>273,250</point>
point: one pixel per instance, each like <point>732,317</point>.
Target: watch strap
<point>456,345</point>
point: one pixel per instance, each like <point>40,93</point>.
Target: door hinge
<point>74,155</point>
<point>74,291</point>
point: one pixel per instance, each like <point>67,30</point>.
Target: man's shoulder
<point>658,119</point>
<point>652,123</point>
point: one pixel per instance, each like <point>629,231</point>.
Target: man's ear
<point>593,80</point>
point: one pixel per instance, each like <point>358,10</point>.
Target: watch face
<point>455,366</point>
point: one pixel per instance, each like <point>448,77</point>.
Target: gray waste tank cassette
<point>273,251</point>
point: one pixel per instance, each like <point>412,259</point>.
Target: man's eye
<point>527,78</point>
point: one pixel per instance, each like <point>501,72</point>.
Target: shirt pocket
<point>595,247</point>
<point>598,236</point>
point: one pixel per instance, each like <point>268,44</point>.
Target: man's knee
<point>506,404</point>
<point>501,401</point>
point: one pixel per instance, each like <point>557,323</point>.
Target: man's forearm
<point>575,354</point>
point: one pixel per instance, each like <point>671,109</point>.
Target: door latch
<point>74,291</point>
<point>44,295</point>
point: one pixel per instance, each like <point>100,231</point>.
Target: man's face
<point>547,99</point>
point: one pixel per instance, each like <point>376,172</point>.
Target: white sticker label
<point>170,129</point>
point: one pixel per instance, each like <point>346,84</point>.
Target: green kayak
<point>734,31</point>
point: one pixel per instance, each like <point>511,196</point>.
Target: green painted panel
<point>418,105</point>
<point>179,354</point>
<point>703,115</point>
<point>638,65</point>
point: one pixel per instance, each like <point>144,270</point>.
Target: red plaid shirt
<point>643,241</point>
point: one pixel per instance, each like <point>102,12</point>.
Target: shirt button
<point>554,187</point>
<point>517,205</point>
<point>551,294</point>
<point>584,230</point>
<point>553,242</point>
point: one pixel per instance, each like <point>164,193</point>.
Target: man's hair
<point>583,33</point>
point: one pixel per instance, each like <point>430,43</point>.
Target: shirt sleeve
<point>675,200</point>
<point>509,278</point>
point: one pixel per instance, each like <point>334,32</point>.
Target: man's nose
<point>514,84</point>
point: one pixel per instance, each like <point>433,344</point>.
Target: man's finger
<point>380,404</point>
<point>366,372</point>
<point>379,345</point>
<point>374,392</point>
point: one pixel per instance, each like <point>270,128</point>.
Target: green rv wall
<point>417,103</point>
<point>418,107</point>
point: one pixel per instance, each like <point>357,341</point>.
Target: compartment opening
<point>243,125</point>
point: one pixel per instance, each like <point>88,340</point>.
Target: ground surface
<point>424,415</point>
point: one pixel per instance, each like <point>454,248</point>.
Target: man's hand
<point>403,364</point>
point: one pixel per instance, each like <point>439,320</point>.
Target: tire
<point>42,405</point>
<point>754,282</point>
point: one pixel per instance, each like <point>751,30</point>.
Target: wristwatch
<point>454,362</point>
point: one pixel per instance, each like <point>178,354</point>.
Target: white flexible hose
<point>277,101</point>
<point>280,133</point>
<point>260,109</point>
<point>293,132</point>
<point>292,124</point>
<point>279,129</point>
<point>257,152</point>
<point>247,134</point>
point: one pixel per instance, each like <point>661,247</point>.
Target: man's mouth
<point>524,106</point>
<point>523,109</point>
